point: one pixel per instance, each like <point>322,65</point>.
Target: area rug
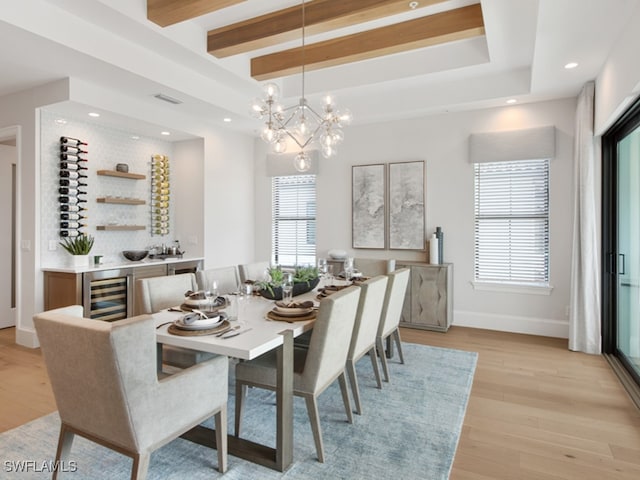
<point>408,430</point>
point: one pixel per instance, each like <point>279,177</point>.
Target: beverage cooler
<point>108,294</point>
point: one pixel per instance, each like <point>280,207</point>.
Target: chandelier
<point>300,123</point>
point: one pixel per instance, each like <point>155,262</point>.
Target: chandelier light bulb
<point>272,90</point>
<point>258,108</point>
<point>302,162</point>
<point>328,151</point>
<point>280,145</point>
<point>345,117</point>
<point>268,134</point>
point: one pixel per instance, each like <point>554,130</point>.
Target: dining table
<point>257,334</point>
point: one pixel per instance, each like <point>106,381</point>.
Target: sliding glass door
<point>621,241</point>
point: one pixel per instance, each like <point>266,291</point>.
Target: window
<point>294,220</point>
<point>512,222</point>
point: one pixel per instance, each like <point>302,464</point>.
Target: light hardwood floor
<point>537,411</point>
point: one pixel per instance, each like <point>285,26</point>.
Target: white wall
<point>442,141</point>
<point>20,110</point>
<point>618,83</point>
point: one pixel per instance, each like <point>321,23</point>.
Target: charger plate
<point>174,330</point>
<point>271,315</point>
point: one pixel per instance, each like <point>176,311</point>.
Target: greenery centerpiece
<point>79,247</point>
<point>305,279</point>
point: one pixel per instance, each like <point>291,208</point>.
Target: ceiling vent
<point>167,98</point>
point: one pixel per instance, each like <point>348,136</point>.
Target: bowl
<point>337,254</point>
<point>135,255</point>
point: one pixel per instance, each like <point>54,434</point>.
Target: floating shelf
<point>124,201</point>
<point>120,227</point>
<point>114,173</point>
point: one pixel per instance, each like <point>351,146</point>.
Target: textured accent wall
<point>107,147</point>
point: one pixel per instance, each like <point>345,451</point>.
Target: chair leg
<point>241,391</point>
<point>373,353</point>
<point>345,396</point>
<point>65,440</point>
<point>353,379</point>
<point>221,438</point>
<point>396,336</point>
<point>140,466</point>
<point>312,411</point>
<point>383,358</point>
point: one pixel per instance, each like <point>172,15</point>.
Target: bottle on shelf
<point>70,233</point>
<point>73,175</point>
<point>71,225</point>
<point>65,207</point>
<point>71,191</point>
<point>72,150</point>
<point>72,216</point>
<point>66,182</point>
<point>71,166</point>
<point>73,142</point>
<point>70,200</point>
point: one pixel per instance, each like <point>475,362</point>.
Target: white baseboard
<point>511,323</point>
<point>27,338</point>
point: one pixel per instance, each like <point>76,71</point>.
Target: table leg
<point>281,457</point>
<point>284,399</point>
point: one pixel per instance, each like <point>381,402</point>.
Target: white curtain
<point>584,320</point>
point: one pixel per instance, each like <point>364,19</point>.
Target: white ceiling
<point>111,43</point>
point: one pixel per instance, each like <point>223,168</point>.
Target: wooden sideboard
<point>428,302</point>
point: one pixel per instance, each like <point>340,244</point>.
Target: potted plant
<point>79,247</point>
<point>305,279</point>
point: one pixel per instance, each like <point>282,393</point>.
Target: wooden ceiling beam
<point>170,12</point>
<point>465,22</point>
<point>284,25</point>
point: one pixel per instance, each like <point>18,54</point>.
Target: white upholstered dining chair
<point>365,328</point>
<point>390,318</point>
<point>158,293</point>
<point>315,368</point>
<point>370,267</point>
<point>227,278</point>
<point>106,387</point>
<point>252,271</point>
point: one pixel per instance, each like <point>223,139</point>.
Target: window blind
<point>294,220</point>
<point>512,222</point>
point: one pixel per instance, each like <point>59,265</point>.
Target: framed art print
<point>368,205</point>
<point>406,206</point>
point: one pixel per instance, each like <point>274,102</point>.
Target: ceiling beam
<point>284,25</point>
<point>169,12</point>
<point>430,30</point>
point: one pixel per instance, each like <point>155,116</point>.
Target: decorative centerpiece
<point>305,279</point>
<point>79,247</point>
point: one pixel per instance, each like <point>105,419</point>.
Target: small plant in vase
<point>79,247</point>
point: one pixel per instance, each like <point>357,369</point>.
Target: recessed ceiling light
<point>60,121</point>
<point>165,133</point>
<point>571,65</point>
<point>94,114</point>
<point>413,5</point>
<point>512,101</point>
<point>135,137</point>
<point>226,119</point>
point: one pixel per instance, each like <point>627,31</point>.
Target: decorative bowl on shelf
<point>135,255</point>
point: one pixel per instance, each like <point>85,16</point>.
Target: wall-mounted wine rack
<point>73,178</point>
<point>160,195</point>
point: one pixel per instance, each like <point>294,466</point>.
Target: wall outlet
<point>53,245</point>
<point>25,245</point>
